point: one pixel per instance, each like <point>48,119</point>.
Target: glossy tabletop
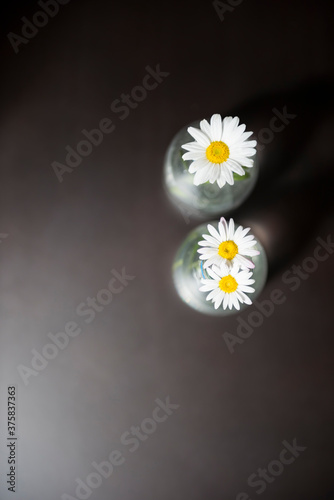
<point>121,390</point>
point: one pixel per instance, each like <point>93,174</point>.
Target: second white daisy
<point>220,148</point>
<point>227,247</point>
<point>228,287</point>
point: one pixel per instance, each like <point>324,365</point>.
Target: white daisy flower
<point>228,286</point>
<point>228,246</point>
<point>220,148</point>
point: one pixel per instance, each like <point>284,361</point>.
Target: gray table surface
<point>234,412</point>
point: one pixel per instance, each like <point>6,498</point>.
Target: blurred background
<point>69,224</point>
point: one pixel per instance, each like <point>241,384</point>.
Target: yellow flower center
<point>217,152</point>
<point>228,284</point>
<point>228,249</point>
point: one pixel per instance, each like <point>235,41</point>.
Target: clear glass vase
<point>188,270</point>
<point>206,199</point>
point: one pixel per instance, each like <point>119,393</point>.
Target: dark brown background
<point>110,212</point>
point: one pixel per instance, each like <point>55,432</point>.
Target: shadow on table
<point>295,187</point>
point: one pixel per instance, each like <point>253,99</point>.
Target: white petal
<point>244,276</point>
<point>211,172</point>
<point>234,299</point>
<point>193,155</point>
<point>213,232</point>
<point>217,270</point>
<point>249,144</point>
<point>207,251</point>
<point>247,246</point>
<point>216,128</point>
<point>219,299</point>
<point>245,151</point>
<point>212,295</point>
<point>244,231</point>
<point>204,124</point>
<point>237,134</point>
<point>229,126</point>
<point>235,122</point>
<point>228,174</point>
<point>245,288</point>
<point>245,136</point>
<point>234,269</point>
<point>200,137</point>
<point>192,168</point>
<point>240,142</point>
<point>230,233</point>
<point>250,252</point>
<point>246,282</point>
<point>234,166</point>
<point>226,125</point>
<point>226,301</point>
<point>242,160</point>
<point>237,234</point>
<point>201,163</point>
<point>206,281</point>
<point>208,286</point>
<point>206,243</point>
<point>193,146</point>
<point>224,231</point>
<point>221,181</point>
<point>244,262</point>
<point>222,226</point>
<point>211,239</point>
<point>248,239</point>
<point>213,274</point>
<point>215,173</point>
<point>200,176</point>
<point>225,267</point>
<point>241,296</point>
<point>215,260</point>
